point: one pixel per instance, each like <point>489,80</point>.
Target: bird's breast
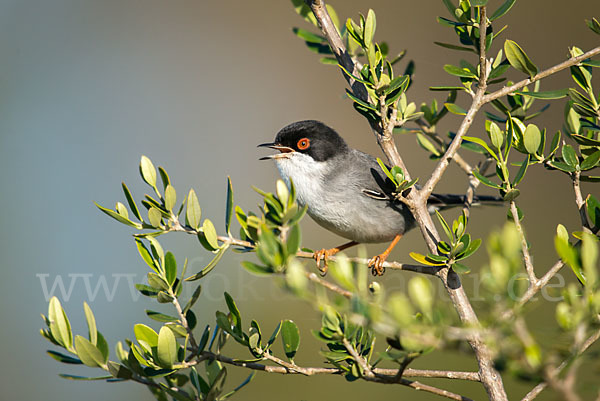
<point>339,206</point>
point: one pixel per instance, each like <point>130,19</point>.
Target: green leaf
<point>170,197</point>
<point>569,155</point>
<point>522,170</point>
<point>64,358</point>
<point>361,102</point>
<point>91,322</point>
<point>118,217</point>
<point>145,336</point>
<point>160,317</point>
<point>479,3</point>
<point>481,143</point>
<point>273,336</point>
<point>594,25</point>
<point>593,209</point>
<point>75,377</point>
<point>308,36</point>
<point>193,211</point>
<point>562,166</point>
<point>147,290</point>
<point>503,9</point>
<point>256,269</point>
<point>235,312</point>
<point>146,256</point>
<point>89,354</point>
<point>447,88</point>
<point>532,138</point>
<point>568,255</point>
<point>455,109</point>
<point>148,171</point>
<point>167,348</point>
<point>496,136</point>
<point>131,202</point>
<point>290,336</point>
<point>154,217</point>
<point>210,234</point>
<point>420,293</point>
<point>518,59</point>
<point>458,71</point>
<point>119,371</point>
<point>460,268</point>
<point>294,237</point>
<point>400,82</point>
<point>211,265</point>
<point>555,94</point>
<point>445,225</point>
<point>223,322</point>
<point>170,268</point>
<point>59,324</point>
<point>157,281</point>
<point>427,145</point>
<point>229,207</point>
<point>370,26</point>
<point>455,47</point>
<point>591,161</point>
<point>423,260</point>
<point>511,195</point>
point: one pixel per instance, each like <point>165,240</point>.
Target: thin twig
<point>532,290</point>
<point>580,202</point>
<point>546,73</point>
<point>183,320</point>
<point>540,387</point>
<point>524,247</point>
<point>310,371</point>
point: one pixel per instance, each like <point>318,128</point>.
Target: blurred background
<point>88,86</point>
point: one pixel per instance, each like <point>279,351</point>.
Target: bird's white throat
<point>307,175</point>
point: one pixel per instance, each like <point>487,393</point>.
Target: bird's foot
<point>324,255</point>
<point>376,264</point>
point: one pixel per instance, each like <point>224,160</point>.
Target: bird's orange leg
<point>376,262</point>
<point>324,254</point>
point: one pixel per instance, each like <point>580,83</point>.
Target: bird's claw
<point>324,255</point>
<point>376,264</point>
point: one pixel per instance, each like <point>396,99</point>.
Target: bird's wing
<point>375,184</point>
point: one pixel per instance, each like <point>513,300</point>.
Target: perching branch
<point>311,371</point>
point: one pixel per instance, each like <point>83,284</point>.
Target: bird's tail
<point>446,201</point>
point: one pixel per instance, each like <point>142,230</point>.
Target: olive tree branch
<point>384,137</point>
<point>524,246</point>
<point>183,319</point>
<point>580,201</point>
<point>311,371</point>
<point>417,200</point>
<point>543,74</point>
<point>540,387</point>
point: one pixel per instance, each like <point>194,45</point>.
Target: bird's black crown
<point>322,141</point>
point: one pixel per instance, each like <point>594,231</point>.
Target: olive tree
<point>184,362</point>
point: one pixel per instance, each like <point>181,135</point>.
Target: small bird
<point>345,190</point>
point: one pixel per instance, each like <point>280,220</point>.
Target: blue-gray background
<point>87,86</point>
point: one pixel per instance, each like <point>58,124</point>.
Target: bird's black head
<point>310,137</point>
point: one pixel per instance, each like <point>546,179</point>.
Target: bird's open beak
<point>285,151</point>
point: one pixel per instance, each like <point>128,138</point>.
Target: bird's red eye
<point>303,143</point>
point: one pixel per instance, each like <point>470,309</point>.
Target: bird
<point>345,190</point>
